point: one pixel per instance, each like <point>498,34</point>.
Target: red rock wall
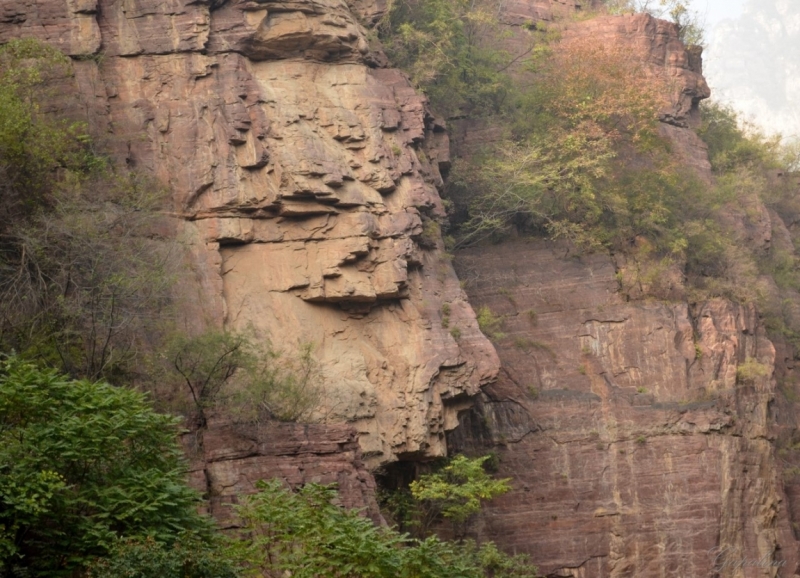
<point>633,448</point>
<point>232,458</point>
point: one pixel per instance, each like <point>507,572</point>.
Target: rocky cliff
<point>637,441</point>
<point>304,175</point>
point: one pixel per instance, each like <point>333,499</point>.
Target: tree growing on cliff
<point>456,492</point>
<point>452,51</point>
<point>243,377</point>
<point>84,274</point>
<point>591,109</point>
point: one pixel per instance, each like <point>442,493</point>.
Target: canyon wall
<point>642,437</point>
<point>304,174</point>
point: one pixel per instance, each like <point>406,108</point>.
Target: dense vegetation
<point>582,157</point>
<point>82,463</point>
<point>92,480</point>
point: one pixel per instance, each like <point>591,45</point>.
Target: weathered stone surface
<point>633,448</point>
<point>656,43</point>
<point>300,191</point>
<point>323,30</point>
<point>234,457</point>
<point>70,25</point>
<point>646,39</point>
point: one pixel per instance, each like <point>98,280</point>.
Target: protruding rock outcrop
<point>304,186</point>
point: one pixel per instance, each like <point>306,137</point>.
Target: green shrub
<point>457,491</point>
<point>81,465</point>
<point>83,276</point>
<point>489,323</point>
<point>247,377</point>
<point>146,558</point>
<point>306,535</point>
<point>750,370</point>
<point>450,50</point>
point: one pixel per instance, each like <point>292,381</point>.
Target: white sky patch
<point>752,59</point>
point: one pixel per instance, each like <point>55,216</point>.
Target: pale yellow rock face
<point>304,185</point>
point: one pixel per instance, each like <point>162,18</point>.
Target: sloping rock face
<point>304,187</point>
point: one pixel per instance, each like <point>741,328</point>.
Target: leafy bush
<point>750,370</point>
<point>32,146</point>
<point>458,490</point>
<point>82,273</point>
<point>450,50</point>
<point>307,535</point>
<point>489,323</point>
<point>82,464</point>
<point>146,558</point>
<point>252,381</point>
<point>562,173</point>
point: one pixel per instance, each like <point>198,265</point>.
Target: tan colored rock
<point>299,187</point>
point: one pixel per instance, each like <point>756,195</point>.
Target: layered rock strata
<point>637,444</point>
<point>640,436</point>
<point>304,187</point>
<point>234,458</point>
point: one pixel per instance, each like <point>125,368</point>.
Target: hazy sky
<point>752,59</point>
<point>714,11</point>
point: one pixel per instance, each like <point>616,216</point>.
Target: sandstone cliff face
<point>304,184</point>
<point>633,447</point>
<point>304,176</point>
<point>637,442</point>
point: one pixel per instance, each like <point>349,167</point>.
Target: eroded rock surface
<point>233,458</point>
<point>304,186</point>
<point>636,444</point>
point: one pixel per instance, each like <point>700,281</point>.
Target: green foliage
<point>731,147</point>
<point>489,323</point>
<point>83,275</point>
<point>750,370</point>
<point>82,464</point>
<point>147,558</point>
<point>450,50</point>
<point>457,491</point>
<point>690,27</point>
<point>307,535</point>
<point>562,173</point>
<point>251,379</point>
<point>32,147</point>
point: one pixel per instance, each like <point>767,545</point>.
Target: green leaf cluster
<point>82,464</point>
<point>147,558</point>
<point>33,144</point>
<point>451,50</point>
<point>458,490</point>
<point>308,535</point>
